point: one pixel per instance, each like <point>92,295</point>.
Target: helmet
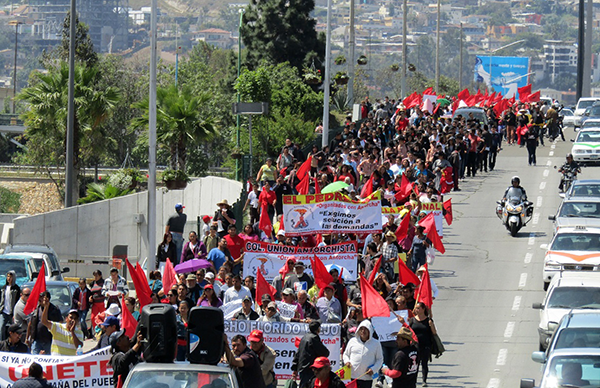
<point>569,155</point>
<point>515,179</point>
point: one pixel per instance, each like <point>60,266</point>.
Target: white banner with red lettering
<point>330,213</point>
<point>281,337</point>
<point>90,370</point>
<point>269,258</point>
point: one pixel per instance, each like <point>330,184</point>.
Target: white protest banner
<point>437,208</point>
<point>331,213</point>
<point>90,370</point>
<point>387,327</point>
<point>281,336</point>
<point>269,258</point>
<point>286,310</point>
<point>231,308</point>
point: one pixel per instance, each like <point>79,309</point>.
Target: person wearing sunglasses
<point>19,316</point>
<point>324,377</point>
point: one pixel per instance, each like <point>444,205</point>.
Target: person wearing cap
<point>405,364</point>
<point>223,218</point>
<point>265,299</point>
<point>246,313</point>
<point>38,335</point>
<point>205,229</point>
<point>265,355</point>
<point>310,348</point>
<point>115,284</point>
<point>244,361</point>
<point>175,226</point>
<point>110,325</point>
<point>237,292</point>
<point>66,337</point>
<point>272,314</point>
<point>299,280</point>
<point>329,308</point>
<point>209,297</point>
<point>9,296</point>
<point>194,289</point>
<point>13,343</point>
<point>35,378</point>
<point>124,355</point>
<point>289,298</point>
<point>364,355</point>
<point>323,376</point>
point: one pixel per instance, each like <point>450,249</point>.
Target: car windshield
<point>60,296</point>
<point>38,266</point>
<point>581,337</point>
<point>588,242</point>
<point>588,136</point>
<point>580,209</point>
<point>479,115</point>
<point>574,297</point>
<point>585,104</point>
<point>572,371</point>
<point>594,110</point>
<point>585,190</point>
<point>179,379</point>
<point>591,124</point>
<point>17,265</point>
<point>566,112</point>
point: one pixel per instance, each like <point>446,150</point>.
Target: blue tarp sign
<point>508,73</point>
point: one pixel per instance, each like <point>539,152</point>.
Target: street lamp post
<point>327,80</point>
<point>239,67</point>
<point>496,50</point>
<point>16,24</point>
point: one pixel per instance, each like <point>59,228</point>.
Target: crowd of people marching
<point>412,156</point>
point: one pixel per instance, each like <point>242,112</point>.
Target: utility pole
<point>239,67</point>
<point>327,80</point>
<point>437,49</point>
<point>351,62</point>
<point>460,66</point>
<point>152,139</point>
<point>404,48</point>
<point>70,179</point>
<point>586,90</point>
<point>16,24</point>
<point>580,49</point>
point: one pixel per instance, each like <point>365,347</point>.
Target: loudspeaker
<point>158,325</point>
<point>205,335</point>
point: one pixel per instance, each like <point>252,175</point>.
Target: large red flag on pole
<point>430,230</point>
<point>262,287</point>
<point>38,288</point>
<point>448,208</point>
<point>142,289</point>
<point>304,185</point>
<point>304,168</point>
<point>367,188</point>
<point>264,222</point>
<point>375,270</point>
<point>405,275</point>
<point>320,273</point>
<point>373,304</point>
<point>128,322</point>
<point>424,293</point>
<point>169,277</point>
<point>402,230</point>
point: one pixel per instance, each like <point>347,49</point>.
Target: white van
<point>582,105</point>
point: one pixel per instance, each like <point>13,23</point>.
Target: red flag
<point>264,222</point>
<point>414,336</point>
<point>402,230</point>
<point>304,185</point>
<point>322,277</point>
<point>524,92</point>
<point>128,322</point>
<point>38,288</point>
<point>297,341</point>
<point>429,92</point>
<point>282,224</point>
<point>464,94</point>
<point>317,188</point>
<point>262,287</point>
<point>142,289</point>
<point>448,208</point>
<point>375,270</point>
<point>424,293</point>
<point>429,224</point>
<point>352,384</point>
<point>367,188</point>
<point>286,268</point>
<point>447,181</point>
<point>406,275</point>
<point>500,107</point>
<point>534,97</point>
<point>373,305</point>
<point>304,168</point>
<point>169,277</point>
<point>405,189</point>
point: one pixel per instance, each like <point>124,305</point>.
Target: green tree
<point>182,120</point>
<point>282,31</point>
<point>84,48</point>
<point>46,120</point>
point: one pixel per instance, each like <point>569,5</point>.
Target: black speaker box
<point>158,325</point>
<point>205,335</point>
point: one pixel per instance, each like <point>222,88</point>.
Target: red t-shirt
<point>235,245</point>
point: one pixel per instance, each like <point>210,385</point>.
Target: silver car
<point>583,188</point>
<point>574,367</point>
<point>577,211</point>
<point>180,375</point>
<point>568,117</point>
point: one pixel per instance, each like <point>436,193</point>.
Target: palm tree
<point>182,119</point>
<point>46,119</point>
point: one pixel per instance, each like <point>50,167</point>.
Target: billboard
<point>507,73</point>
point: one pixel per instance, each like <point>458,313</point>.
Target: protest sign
<point>387,327</point>
<point>269,258</point>
<point>286,310</point>
<point>280,336</point>
<point>90,370</point>
<point>231,308</point>
<point>331,213</point>
<point>437,208</point>
<point>392,211</point>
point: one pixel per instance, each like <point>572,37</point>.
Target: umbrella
<point>335,186</point>
<point>344,273</point>
<point>192,265</point>
<point>443,102</point>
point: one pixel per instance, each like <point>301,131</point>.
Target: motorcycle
<point>515,213</point>
<point>568,176</point>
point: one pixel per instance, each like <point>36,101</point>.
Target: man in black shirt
<point>124,355</point>
<point>245,361</point>
<point>281,188</point>
<point>299,280</point>
<point>13,343</point>
<point>175,226</point>
<point>246,313</point>
<point>405,365</point>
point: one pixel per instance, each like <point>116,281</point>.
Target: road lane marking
<point>553,146</point>
<point>523,280</point>
<point>542,185</point>
<point>516,303</point>
<point>493,383</point>
<point>528,258</point>
<point>539,201</point>
<point>546,173</point>
<point>501,360</point>
<point>551,154</point>
<point>536,219</point>
<point>548,163</point>
<point>531,239</point>
<point>510,327</point>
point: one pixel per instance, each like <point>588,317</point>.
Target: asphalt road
<point>488,279</point>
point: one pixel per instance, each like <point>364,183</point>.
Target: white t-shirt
<point>7,300</point>
<point>233,294</point>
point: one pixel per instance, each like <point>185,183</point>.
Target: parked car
<point>568,117</point>
<point>575,330</point>
<point>567,291</point>
<point>21,264</point>
<point>578,211</point>
<point>41,252</point>
<point>586,146</point>
<point>180,374</point>
<point>478,114</point>
<point>61,294</point>
<point>575,367</point>
<point>583,188</point>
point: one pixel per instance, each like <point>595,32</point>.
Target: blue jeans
<point>82,318</point>
<point>5,319</point>
<point>178,240</point>
<point>37,347</point>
